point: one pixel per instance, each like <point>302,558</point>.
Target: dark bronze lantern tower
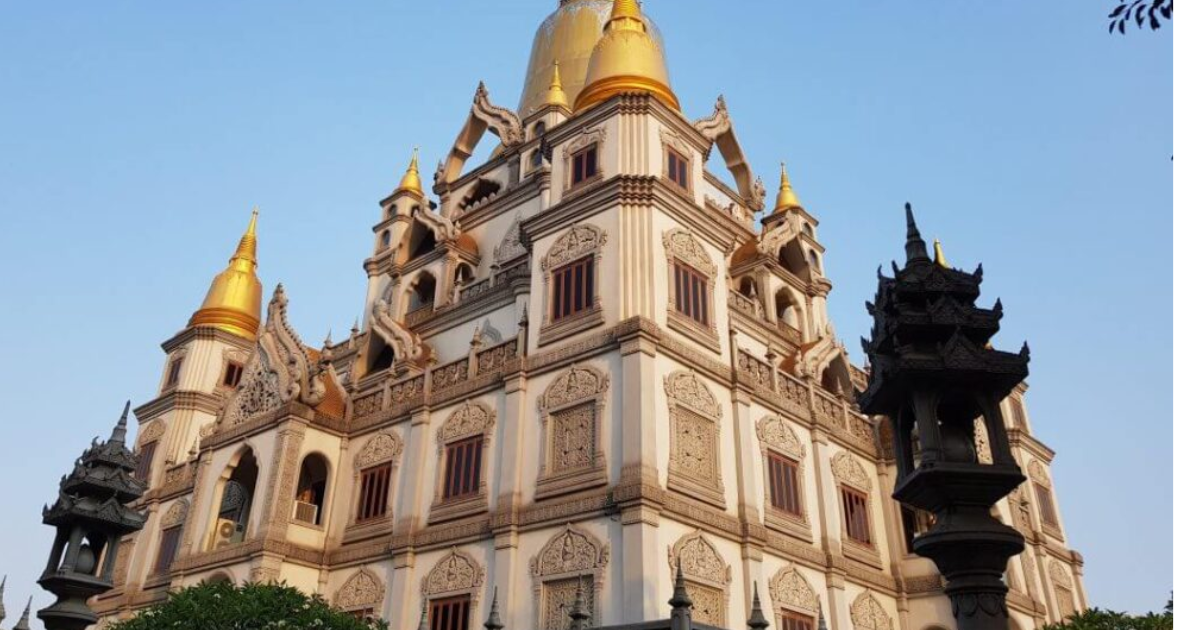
<point>90,515</point>
<point>936,377</point>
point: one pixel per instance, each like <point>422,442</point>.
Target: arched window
<point>385,240</point>
<point>374,465</point>
<point>422,242</point>
<point>237,501</point>
<point>423,292</point>
<point>464,274</point>
<point>310,491</point>
<point>814,260</point>
<point>748,287</point>
<point>791,256</point>
<point>391,211</point>
<point>808,229</point>
<point>463,445</point>
<point>787,309</point>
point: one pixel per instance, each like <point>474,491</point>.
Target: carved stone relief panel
<point>176,514</point>
<point>847,470</point>
<point>866,613</point>
<point>379,449</point>
<point>362,591</point>
<point>150,433</point>
<point>571,559</point>
<point>707,576</point>
<point>789,589</point>
<point>694,466</point>
<point>571,412</point>
<point>455,574</point>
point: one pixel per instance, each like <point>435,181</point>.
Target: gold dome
<point>626,59</point>
<point>568,36</point>
<point>234,301</point>
<point>411,182</point>
<point>787,198</point>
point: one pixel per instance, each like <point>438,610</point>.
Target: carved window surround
<point>792,593</point>
<point>866,613</point>
<point>470,420</point>
<point>166,385</point>
<point>587,138</point>
<point>682,247</point>
<point>578,390</point>
<point>851,475</point>
<point>707,576</point>
<point>695,417</point>
<point>457,574</point>
<point>672,142</point>
<point>557,569</point>
<point>775,436</point>
<point>579,242</point>
<point>363,594</point>
<point>381,449</point>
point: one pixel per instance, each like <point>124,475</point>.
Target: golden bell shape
<point>626,59</point>
<point>411,182</point>
<point>234,301</point>
<point>787,199</point>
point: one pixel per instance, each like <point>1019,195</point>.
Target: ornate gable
<point>847,470</point>
<point>790,589</point>
<point>455,572</point>
<point>578,383</point>
<point>510,246</point>
<point>362,590</point>
<point>774,432</point>
<point>579,241</point>
<point>687,388</point>
<point>682,246</point>
<point>379,449</point>
<point>571,552</point>
<point>700,560</point>
<point>176,515</point>
<point>470,419</point>
<point>866,613</point>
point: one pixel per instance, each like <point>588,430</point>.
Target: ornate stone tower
<point>939,381</point>
<point>90,516</point>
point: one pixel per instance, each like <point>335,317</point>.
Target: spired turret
<point>626,59</point>
<point>939,381</point>
<point>234,301</point>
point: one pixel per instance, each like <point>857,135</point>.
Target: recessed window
<point>573,290</point>
<point>451,613</point>
<point>310,490</point>
<point>233,374</point>
<point>854,516</point>
<point>463,460</point>
<point>691,293</point>
<point>167,547</point>
<point>173,372</point>
<point>790,620</point>
<point>1046,505</point>
<point>784,478</point>
<point>916,522</point>
<point>677,168</point>
<point>145,462</point>
<point>583,165</point>
<point>374,486</point>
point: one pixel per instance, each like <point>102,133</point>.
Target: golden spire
<point>939,256</point>
<point>234,301</point>
<point>555,95</point>
<point>411,182</point>
<point>787,199</point>
<point>626,59</point>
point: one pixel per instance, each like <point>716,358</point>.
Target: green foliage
<point>1096,619</point>
<point>248,607</point>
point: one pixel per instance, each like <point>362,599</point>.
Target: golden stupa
<point>626,59</point>
<point>234,301</point>
<point>787,199</point>
<point>411,182</point>
<point>568,37</point>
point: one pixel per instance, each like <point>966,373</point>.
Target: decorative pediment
<point>847,470</point>
<point>176,514</point>
<point>672,139</point>
<point>682,246</point>
<point>579,241</point>
<point>484,117</point>
<point>866,613</point>
<point>280,369</point>
<point>790,589</point>
<point>379,449</point>
<point>470,419</point>
<point>510,246</point>
<point>570,552</point>
<point>577,384</point>
<point>455,572</point>
<point>774,432</point>
<point>588,136</point>
<point>718,129</point>
<point>700,560</point>
<point>686,388</point>
<point>406,345</point>
<point>362,590</point>
<point>1059,574</point>
<point>150,433</point>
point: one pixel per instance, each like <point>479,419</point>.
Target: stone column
<point>404,602</point>
<point>504,573</point>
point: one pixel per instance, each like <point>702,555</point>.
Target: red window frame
<point>784,476</point>
<point>464,459</point>
<point>691,293</point>
<point>856,516</point>
<point>677,169</point>
<point>450,613</point>
<point>373,490</point>
<point>573,288</point>
<point>789,620</point>
<point>584,165</point>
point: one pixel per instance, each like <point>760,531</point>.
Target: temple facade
<point>584,360</point>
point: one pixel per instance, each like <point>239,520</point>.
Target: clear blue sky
<point>135,136</point>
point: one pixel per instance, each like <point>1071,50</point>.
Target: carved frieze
<point>379,449</point>
<point>470,419</point>
<point>774,432</point>
<point>847,470</point>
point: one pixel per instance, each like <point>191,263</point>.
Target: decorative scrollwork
<point>379,449</point>
<point>579,241</point>
<point>682,246</point>
<point>789,588</point>
<point>847,470</point>
<point>455,572</point>
<point>866,613</point>
<point>362,590</point>
<point>470,419</point>
<point>775,433</point>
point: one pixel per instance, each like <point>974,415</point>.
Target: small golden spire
<point>234,301</point>
<point>787,199</point>
<point>939,256</point>
<point>411,182</point>
<point>555,95</point>
<point>626,60</point>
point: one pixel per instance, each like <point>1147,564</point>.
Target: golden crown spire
<point>939,256</point>
<point>555,95</point>
<point>787,199</point>
<point>234,301</point>
<point>411,182</point>
<point>626,59</point>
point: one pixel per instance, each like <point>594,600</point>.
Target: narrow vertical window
<point>1046,505</point>
<point>677,168</point>
<point>463,461</point>
<point>785,486</point>
<point>855,518</point>
<point>583,165</point>
<point>374,487</point>
<point>167,547</point>
<point>691,293</point>
<point>451,613</point>
<point>573,288</point>
<point>145,462</point>
<point>173,373</point>
<point>233,374</point>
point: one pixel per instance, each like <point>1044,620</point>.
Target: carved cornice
<point>179,400</point>
<point>204,333</point>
